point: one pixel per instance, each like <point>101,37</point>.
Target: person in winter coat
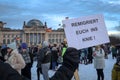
<point>3,52</point>
<point>64,49</point>
<point>116,70</point>
<point>99,62</point>
<point>26,72</point>
<point>8,73</point>
<point>54,53</point>
<point>84,56</point>
<point>14,58</point>
<point>1,57</point>
<point>90,57</point>
<point>76,75</point>
<point>69,65</point>
<point>114,51</point>
<point>39,70</point>
<point>44,58</point>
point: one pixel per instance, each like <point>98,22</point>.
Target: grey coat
<point>15,60</point>
<point>99,61</point>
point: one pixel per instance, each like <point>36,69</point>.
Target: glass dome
<point>34,23</point>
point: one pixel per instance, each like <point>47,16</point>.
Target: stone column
<point>29,38</point>
<point>37,37</point>
<point>33,38</point>
<point>25,37</point>
<point>41,37</point>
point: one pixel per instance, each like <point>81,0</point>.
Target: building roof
<point>35,23</point>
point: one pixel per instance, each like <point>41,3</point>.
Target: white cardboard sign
<point>85,31</point>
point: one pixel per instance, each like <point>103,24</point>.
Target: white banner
<point>85,31</point>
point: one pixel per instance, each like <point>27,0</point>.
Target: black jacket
<point>63,73</point>
<point>8,73</point>
<point>43,56</point>
<point>69,65</point>
<point>54,55</point>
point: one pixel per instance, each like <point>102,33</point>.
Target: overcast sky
<point>15,12</point>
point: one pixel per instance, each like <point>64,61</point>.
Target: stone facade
<point>33,33</point>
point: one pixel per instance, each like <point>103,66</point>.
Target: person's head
<point>3,46</point>
<point>45,44</point>
<point>39,46</point>
<point>55,44</point>
<point>24,46</point>
<point>97,47</point>
<point>71,55</point>
<point>11,47</point>
<point>65,41</point>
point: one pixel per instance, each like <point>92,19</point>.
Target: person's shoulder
<point>9,72</point>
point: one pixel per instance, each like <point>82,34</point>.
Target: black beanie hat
<point>71,55</point>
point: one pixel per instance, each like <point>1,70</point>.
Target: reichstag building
<point>33,33</point>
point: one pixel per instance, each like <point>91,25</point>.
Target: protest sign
<point>85,31</point>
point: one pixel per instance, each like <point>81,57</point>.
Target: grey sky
<point>14,12</point>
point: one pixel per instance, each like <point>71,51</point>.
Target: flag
<point>48,30</point>
<point>18,38</point>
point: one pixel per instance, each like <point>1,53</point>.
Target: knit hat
<point>12,45</point>
<point>71,59</point>
<point>45,44</point>
<point>72,55</point>
<point>3,46</point>
<point>24,46</point>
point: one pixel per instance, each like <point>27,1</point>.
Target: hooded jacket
<point>15,60</point>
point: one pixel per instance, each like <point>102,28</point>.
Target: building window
<point>53,35</point>
<point>56,35</point>
<point>8,41</point>
<point>20,41</point>
<point>49,35</point>
<point>31,38</point>
<point>4,41</point>
<point>52,40</point>
<point>8,35</point>
<point>12,35</point>
<point>49,40</point>
<point>4,35</point>
<point>38,38</point>
<point>27,37</point>
<point>57,40</point>
<point>13,40</point>
<point>63,36</point>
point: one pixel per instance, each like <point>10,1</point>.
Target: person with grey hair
<point>14,58</point>
<point>43,59</point>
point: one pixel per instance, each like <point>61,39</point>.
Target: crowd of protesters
<point>21,58</point>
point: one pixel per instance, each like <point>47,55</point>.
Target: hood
<point>45,44</point>
<point>12,45</point>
